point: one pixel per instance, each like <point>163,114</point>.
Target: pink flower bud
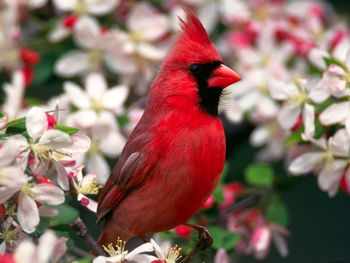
<point>209,202</point>
<point>29,57</point>
<point>51,121</point>
<point>261,238</point>
<point>69,21</point>
<point>183,231</point>
<point>84,201</point>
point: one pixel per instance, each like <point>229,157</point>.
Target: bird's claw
<point>205,239</point>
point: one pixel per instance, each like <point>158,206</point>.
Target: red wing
<point>124,178</point>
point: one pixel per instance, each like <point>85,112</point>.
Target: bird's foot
<point>204,241</point>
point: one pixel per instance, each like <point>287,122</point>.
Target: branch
<point>245,203</point>
<point>82,231</point>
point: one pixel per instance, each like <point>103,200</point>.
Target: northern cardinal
<point>173,159</point>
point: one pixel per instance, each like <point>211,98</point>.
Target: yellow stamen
<point>136,36</point>
<point>26,189</point>
<point>9,236</point>
<point>174,254</point>
<point>94,148</point>
<point>90,188</point>
<point>80,8</point>
<point>95,56</point>
<point>11,210</point>
<point>116,250</point>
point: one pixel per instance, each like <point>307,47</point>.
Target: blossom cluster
<point>294,88</point>
<point>99,58</point>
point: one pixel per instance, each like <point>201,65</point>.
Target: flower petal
<point>36,3</point>
<point>65,5</point>
<point>36,122</point>
<point>305,163</point>
<point>147,247</point>
<point>261,239</point>
<point>151,29</point>
<point>72,63</point>
<point>76,95</point>
<point>340,51</point>
<point>339,144</point>
<point>55,139</point>
<point>6,193</point>
<point>82,119</point>
<point>113,144</point>
<point>319,93</point>
<point>280,243</point>
<point>87,31</point>
<point>46,246</point>
<point>221,256</point>
<point>8,152</point>
<point>96,164</point>
<point>28,213</point>
<point>48,194</point>
<point>316,56</point>
<point>114,98</point>
<point>58,33</point>
<point>25,252</point>
<point>101,7</point>
<point>80,143</point>
<point>309,121</point>
<point>329,178</point>
<point>13,177</point>
<point>91,204</point>
<point>157,249</point>
<point>280,90</point>
<point>288,115</point>
<point>102,259</point>
<point>150,52</point>
<point>62,175</point>
<point>335,113</point>
<point>260,136</point>
<point>96,86</point>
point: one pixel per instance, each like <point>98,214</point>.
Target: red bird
<point>174,157</point>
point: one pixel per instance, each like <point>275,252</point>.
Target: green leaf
<point>16,126</point>
<point>1,115</point>
<point>223,238</point>
<point>294,138</point>
<point>33,102</point>
<point>259,175</point>
<point>43,71</point>
<point>43,225</point>
<point>331,60</point>
<point>319,129</point>
<point>123,120</point>
<point>218,194</point>
<point>66,129</point>
<point>277,211</point>
<point>225,171</point>
<point>66,215</point>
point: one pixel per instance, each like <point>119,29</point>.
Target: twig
<point>245,203</point>
<point>82,231</point>
<point>79,252</point>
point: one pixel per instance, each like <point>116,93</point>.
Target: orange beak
<point>223,77</point>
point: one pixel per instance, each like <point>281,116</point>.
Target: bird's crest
<point>193,44</point>
<point>192,28</point>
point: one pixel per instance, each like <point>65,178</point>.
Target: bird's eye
<point>195,68</point>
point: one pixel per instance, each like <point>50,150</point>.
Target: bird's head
<point>194,65</point>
